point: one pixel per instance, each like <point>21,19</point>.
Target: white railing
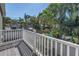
<point>49,46</point>
<point>10,35</point>
<point>40,43</point>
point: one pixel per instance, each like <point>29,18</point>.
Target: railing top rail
<point>59,40</point>
<point>56,39</point>
<point>11,30</point>
<point>50,38</point>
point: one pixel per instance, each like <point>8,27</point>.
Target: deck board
<point>10,52</point>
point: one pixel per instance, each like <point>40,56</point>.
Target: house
<point>2,13</point>
<point>12,26</point>
<point>15,26</point>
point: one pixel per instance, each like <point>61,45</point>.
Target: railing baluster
<point>21,34</point>
<point>51,47</point>
<point>10,36</point>
<point>61,49</point>
<point>44,46</point>
<point>68,50</point>
<point>18,34</point>
<point>39,43</point>
<point>55,48</point>
<point>76,51</point>
<point>1,36</point>
<point>7,36</point>
<point>15,34</point>
<point>36,41</point>
<point>47,47</point>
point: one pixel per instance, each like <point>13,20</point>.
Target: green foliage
<point>75,37</point>
<point>64,15</point>
<point>7,21</point>
<point>56,33</point>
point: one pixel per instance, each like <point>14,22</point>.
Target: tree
<point>6,21</point>
<point>22,23</point>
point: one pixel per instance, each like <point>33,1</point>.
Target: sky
<point>16,10</point>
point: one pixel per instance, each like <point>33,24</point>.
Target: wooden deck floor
<point>10,52</point>
<point>16,48</point>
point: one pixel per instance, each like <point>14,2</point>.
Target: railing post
<point>76,51</point>
<point>61,49</point>
<point>68,50</point>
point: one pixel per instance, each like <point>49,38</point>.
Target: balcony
<point>26,43</point>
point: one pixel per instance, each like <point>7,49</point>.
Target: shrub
<point>56,33</point>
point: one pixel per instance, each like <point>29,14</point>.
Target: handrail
<point>56,39</point>
<point>59,40</point>
<point>47,40</point>
<point>10,35</point>
<point>41,44</point>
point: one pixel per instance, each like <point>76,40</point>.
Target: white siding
<point>0,26</point>
<point>0,21</point>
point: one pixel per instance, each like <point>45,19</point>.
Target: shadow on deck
<point>16,48</point>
